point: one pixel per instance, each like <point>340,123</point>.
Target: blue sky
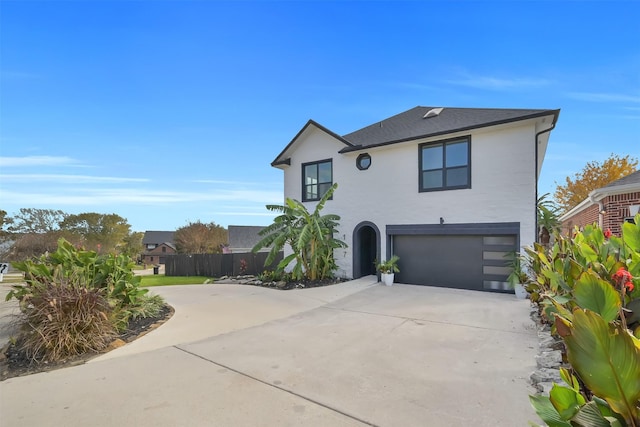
<point>166,112</point>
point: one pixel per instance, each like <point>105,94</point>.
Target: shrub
<point>75,301</point>
<point>64,321</point>
<point>81,268</point>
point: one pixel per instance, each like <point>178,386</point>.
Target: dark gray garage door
<point>454,259</point>
<point>450,261</point>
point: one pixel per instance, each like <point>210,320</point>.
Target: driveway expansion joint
<point>419,319</point>
<point>308,399</point>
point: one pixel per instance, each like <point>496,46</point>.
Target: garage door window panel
<point>445,165</point>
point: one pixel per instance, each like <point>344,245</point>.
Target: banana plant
<point>310,235</point>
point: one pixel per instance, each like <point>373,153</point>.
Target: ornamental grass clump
<point>65,321</point>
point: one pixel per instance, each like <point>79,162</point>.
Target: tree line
<point>31,232</point>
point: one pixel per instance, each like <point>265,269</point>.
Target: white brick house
<point>449,190</point>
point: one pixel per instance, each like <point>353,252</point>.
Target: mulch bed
<point>15,363</point>
<point>281,285</point>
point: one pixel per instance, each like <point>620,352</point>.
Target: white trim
<point>597,195</point>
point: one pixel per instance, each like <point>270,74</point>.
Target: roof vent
<point>433,112</point>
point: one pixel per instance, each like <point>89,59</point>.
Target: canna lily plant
<point>587,288</point>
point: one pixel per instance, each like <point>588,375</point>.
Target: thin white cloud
<point>497,83</point>
<point>7,162</point>
<point>223,182</point>
<point>133,196</point>
<point>61,178</point>
<point>604,97</point>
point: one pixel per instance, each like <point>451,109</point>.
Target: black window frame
<point>305,185</point>
<point>359,160</point>
<point>444,168</point>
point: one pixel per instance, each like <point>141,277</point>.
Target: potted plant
<point>517,278</point>
<point>387,270</point>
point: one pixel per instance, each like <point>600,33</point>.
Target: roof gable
<point>284,159</point>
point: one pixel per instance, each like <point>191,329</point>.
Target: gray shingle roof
<point>244,236</point>
<point>158,237</point>
<point>412,125</point>
<point>632,178</point>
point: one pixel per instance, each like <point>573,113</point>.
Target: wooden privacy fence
<point>218,265</point>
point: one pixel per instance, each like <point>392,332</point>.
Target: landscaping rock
<point>549,359</point>
<point>281,284</point>
<point>544,388</point>
<point>550,343</point>
<point>545,375</point>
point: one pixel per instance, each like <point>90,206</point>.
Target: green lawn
<point>161,280</point>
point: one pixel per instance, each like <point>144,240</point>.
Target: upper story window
<point>164,249</point>
<point>445,165</point>
<point>363,161</point>
<point>317,178</point>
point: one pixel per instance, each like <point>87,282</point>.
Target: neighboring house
<point>609,206</point>
<point>242,238</point>
<point>157,244</point>
<point>448,190</point>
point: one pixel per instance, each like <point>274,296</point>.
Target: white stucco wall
<point>502,184</point>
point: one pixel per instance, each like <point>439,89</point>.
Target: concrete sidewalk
<point>385,356</point>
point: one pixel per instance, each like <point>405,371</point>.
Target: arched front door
<point>366,249</point>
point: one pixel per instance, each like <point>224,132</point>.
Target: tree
<point>310,236</point>
<point>593,176</point>
<point>548,219</point>
<point>4,222</point>
<point>31,245</point>
<point>133,245</point>
<point>32,220</point>
<point>200,238</point>
<point>100,232</point>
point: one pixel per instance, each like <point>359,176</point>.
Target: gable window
<point>445,165</point>
<point>317,178</point>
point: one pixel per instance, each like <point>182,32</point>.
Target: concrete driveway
<point>353,354</point>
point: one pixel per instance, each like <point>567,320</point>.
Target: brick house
<point>609,206</point>
<point>157,244</point>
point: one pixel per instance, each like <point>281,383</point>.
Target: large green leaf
<point>546,411</point>
<point>595,294</point>
<point>631,234</point>
<point>606,358</point>
<point>590,416</point>
<point>587,252</point>
<point>567,401</point>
